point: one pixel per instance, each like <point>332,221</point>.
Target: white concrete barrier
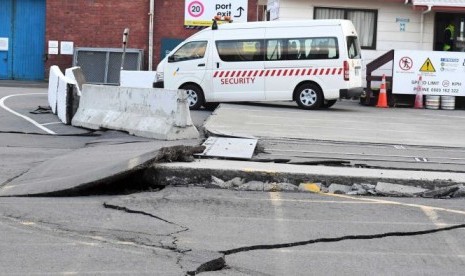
<point>53,87</point>
<point>60,95</point>
<point>141,79</point>
<point>147,112</point>
<point>75,73</point>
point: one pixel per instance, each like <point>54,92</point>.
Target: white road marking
<point>389,202</point>
<point>450,240</point>
<point>2,104</point>
<point>282,265</point>
<point>432,215</point>
<point>52,123</point>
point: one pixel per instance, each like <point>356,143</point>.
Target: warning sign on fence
<point>442,72</point>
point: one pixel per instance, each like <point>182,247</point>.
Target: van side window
<point>353,48</point>
<point>190,50</point>
<point>240,50</point>
<point>322,48</point>
<point>274,49</point>
<point>302,48</point>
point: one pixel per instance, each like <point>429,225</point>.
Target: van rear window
<point>353,47</point>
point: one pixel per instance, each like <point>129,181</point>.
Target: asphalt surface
<point>189,229</point>
<point>347,135</point>
<point>178,229</point>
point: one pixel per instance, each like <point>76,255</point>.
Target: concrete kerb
<point>146,112</point>
<point>201,171</point>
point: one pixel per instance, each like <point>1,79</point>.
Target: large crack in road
<point>219,263</point>
<point>189,261</point>
<point>338,239</point>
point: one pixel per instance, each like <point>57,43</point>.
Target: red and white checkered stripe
<point>278,72</point>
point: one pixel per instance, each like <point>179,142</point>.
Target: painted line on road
<point>433,216</point>
<point>388,202</point>
<point>52,123</point>
<point>2,104</point>
<point>450,240</point>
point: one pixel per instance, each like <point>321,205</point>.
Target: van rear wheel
<point>309,96</point>
<point>195,96</point>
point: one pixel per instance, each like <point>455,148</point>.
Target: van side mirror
<point>171,58</point>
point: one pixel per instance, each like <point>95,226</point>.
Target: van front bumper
<point>159,84</point>
<point>350,93</point>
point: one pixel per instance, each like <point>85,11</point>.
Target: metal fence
<point>103,65</point>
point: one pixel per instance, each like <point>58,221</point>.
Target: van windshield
<point>353,47</point>
<point>190,50</point>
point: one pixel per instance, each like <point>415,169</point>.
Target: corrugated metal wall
<point>6,8</point>
<point>23,22</point>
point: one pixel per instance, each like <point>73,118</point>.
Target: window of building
<point>365,22</point>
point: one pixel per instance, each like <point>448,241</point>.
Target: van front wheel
<point>195,96</point>
<point>309,96</point>
<point>328,103</point>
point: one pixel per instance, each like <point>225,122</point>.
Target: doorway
<point>441,22</point>
<point>22,39</point>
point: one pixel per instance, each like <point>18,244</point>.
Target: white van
<point>312,62</point>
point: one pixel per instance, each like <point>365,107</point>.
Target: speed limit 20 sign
<point>195,9</point>
<point>201,12</point>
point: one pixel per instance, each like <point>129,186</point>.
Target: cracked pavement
<point>191,230</point>
<point>259,231</point>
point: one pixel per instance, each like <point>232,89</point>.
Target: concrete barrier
<point>62,95</point>
<point>141,79</point>
<point>146,112</point>
<point>76,74</point>
<point>53,87</point>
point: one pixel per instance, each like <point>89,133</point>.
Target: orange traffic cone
<point>419,96</point>
<point>382,98</point>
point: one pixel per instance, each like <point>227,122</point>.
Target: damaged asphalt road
<point>263,233</point>
<point>192,230</point>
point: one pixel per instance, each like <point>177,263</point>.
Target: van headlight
<point>159,76</point>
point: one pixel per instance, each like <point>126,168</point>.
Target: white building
<point>383,24</point>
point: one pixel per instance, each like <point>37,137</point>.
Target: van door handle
<point>201,65</point>
<point>217,65</point>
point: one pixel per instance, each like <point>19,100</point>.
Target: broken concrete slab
<point>339,189</point>
<point>357,190</point>
<point>390,189</point>
<point>200,172</point>
<point>280,187</point>
<point>218,183</point>
<point>460,192</point>
<point>236,181</point>
<point>441,193</point>
<point>239,148</point>
<point>252,186</point>
<point>88,168</point>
